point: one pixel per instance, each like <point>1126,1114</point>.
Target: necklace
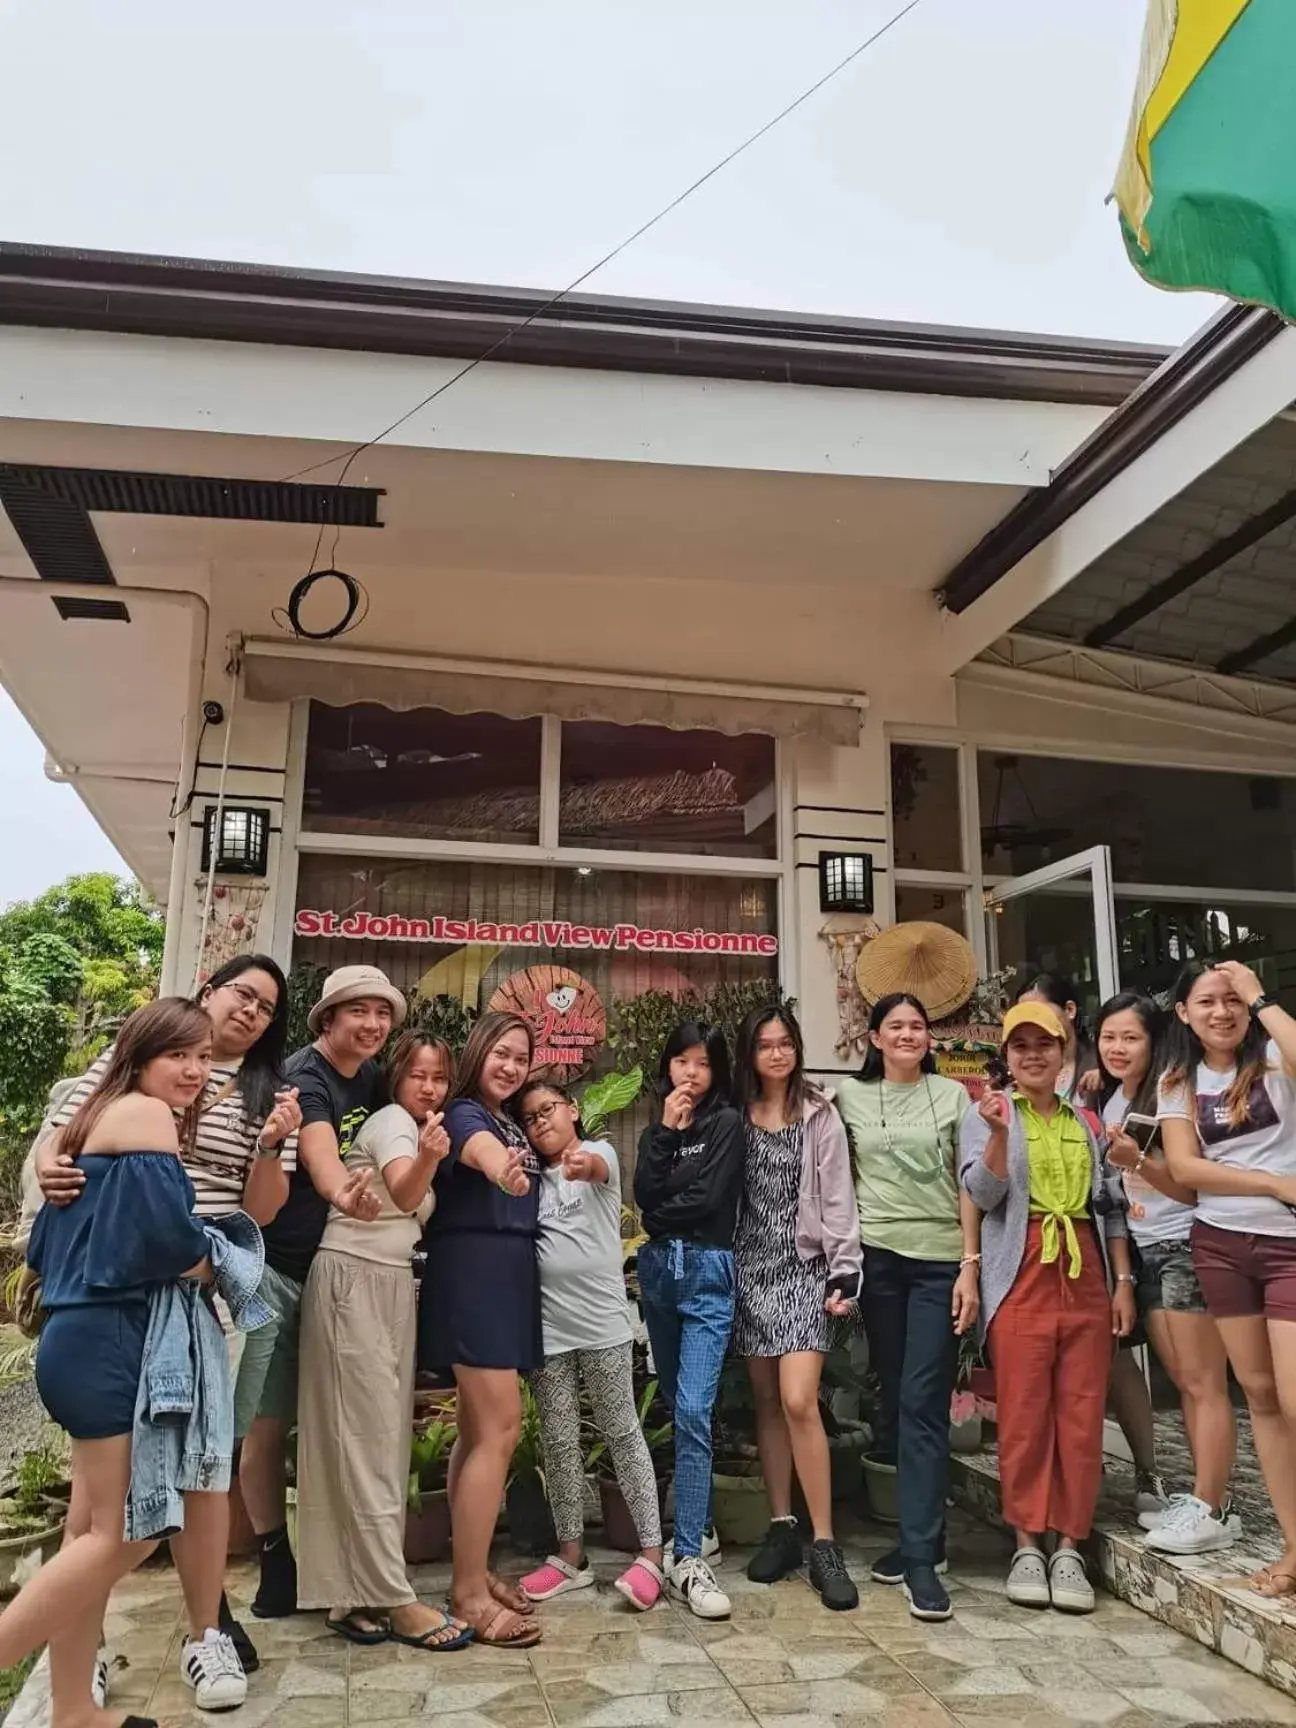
<point>882,1116</point>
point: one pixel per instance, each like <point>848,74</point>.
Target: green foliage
<point>639,1026</point>
<point>605,1098</point>
<point>441,1017</point>
<point>305,984</point>
<point>12,1680</point>
<point>74,962</point>
<point>528,1454</point>
<point>40,1468</point>
<point>429,1460</point>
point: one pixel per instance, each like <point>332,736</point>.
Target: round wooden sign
<point>565,1011</point>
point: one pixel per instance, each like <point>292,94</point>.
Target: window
<point>925,807</point>
<point>651,789</point>
<point>1156,937</point>
<point>422,773</point>
<point>1170,825</point>
<point>466,928</point>
<point>931,906</point>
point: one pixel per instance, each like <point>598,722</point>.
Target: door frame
<point>1094,863</point>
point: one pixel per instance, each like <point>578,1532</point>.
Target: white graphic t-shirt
<point>583,1303</point>
<point>1264,1141</point>
<point>1153,1216</point>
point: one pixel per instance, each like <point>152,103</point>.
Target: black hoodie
<point>688,1181</point>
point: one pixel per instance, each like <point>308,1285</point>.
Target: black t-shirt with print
<point>343,1101</point>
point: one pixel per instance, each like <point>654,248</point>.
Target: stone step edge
<point>1254,1635</point>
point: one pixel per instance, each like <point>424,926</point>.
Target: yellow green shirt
<point>1060,1176</point>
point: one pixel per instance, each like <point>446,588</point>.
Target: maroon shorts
<point>1243,1274</point>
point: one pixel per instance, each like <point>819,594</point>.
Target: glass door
<point>1058,919</point>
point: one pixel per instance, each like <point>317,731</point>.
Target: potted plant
<point>740,1503</point>
<point>32,1515</point>
<point>618,1526</point>
<point>965,1411</point>
<point>427,1506</point>
<point>525,1502</point>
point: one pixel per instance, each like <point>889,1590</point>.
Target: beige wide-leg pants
<point>355,1413</point>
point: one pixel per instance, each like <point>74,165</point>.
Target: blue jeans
<point>907,1309</point>
<point>688,1304</point>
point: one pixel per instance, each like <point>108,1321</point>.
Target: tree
<point>73,963</point>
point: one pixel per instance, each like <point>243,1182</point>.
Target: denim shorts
<point>1167,1278</point>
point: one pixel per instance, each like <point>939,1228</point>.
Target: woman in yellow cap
<point>1056,1290</point>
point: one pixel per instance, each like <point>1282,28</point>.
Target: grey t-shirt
<point>583,1302</point>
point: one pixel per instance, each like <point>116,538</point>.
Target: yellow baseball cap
<point>1041,1014</point>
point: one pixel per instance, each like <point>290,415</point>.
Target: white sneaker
<point>99,1679</point>
<point>211,1666</point>
<point>1028,1584</point>
<point>1190,1527</point>
<point>692,1582</point>
<point>710,1551</point>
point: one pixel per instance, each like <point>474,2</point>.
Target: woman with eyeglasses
<point>921,1238</point>
<point>587,1337</point>
<point>239,1159</point>
<point>797,1257</point>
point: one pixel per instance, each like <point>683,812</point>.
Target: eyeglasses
<point>776,1046</point>
<point>249,999</point>
<point>541,1117</point>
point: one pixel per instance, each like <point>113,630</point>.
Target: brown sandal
<point>508,1595</point>
<point>523,1634</point>
<point>1273,1583</point>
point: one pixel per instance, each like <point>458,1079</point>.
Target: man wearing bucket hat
<point>340,1083</point>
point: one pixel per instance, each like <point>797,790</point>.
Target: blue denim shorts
<point>1167,1278</point>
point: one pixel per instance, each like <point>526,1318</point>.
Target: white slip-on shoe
<point>1028,1584</point>
<point>1069,1588</point>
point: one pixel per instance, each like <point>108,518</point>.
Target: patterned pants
<point>607,1378</point>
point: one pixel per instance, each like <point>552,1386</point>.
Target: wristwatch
<point>1263,1002</point>
<point>264,1151</point>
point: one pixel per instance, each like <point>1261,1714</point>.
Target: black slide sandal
<point>348,1626</point>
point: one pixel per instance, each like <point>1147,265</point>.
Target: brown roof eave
<point>61,288</point>
<point>1235,336</point>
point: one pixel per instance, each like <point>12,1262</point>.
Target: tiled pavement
<point>782,1661</point>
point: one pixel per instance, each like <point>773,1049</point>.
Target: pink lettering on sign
<point>538,933</point>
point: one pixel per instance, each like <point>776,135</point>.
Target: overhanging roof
<point>1183,383</point>
<point>59,287</point>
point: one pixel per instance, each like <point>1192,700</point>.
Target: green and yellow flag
<point>1207,180</point>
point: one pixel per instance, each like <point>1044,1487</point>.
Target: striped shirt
<point>222,1156</point>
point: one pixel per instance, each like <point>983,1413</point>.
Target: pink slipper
<point>554,1578</point>
<point>641,1584</point>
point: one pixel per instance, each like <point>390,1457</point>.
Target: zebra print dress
<point>780,1296</point>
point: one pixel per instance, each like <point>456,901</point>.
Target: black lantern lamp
<point>845,882</point>
<point>242,847</point>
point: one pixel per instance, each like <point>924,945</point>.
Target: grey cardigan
<point>1005,1205</point>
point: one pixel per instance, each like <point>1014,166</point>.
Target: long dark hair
<point>483,1038</point>
<point>684,1037</point>
<point>747,1086</point>
<point>170,1023</point>
<point>1183,1050</point>
<point>260,1073</point>
<point>1152,1020</point>
<point>874,1067</point>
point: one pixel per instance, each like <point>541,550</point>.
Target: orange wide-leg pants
<point>1051,1346</point>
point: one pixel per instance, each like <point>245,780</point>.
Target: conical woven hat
<point>928,961</point>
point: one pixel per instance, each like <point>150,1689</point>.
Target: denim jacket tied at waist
<point>183,1437</point>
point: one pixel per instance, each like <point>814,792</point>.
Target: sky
<point>955,173</point>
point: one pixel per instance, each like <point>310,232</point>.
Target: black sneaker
<point>828,1575</point>
<point>926,1595</point>
<point>242,1643</point>
<point>890,1569</point>
<point>277,1596</point>
<point>779,1554</point>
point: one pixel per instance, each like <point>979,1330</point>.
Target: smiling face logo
<point>561,999</point>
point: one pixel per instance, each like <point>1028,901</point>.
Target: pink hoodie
<point>827,1215</point>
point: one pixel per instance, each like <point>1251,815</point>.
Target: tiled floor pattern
<point>1206,1596</point>
<point>782,1661</point>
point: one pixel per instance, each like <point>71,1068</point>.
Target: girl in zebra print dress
<point>797,1257</point>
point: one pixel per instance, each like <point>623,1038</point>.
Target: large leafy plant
<point>604,1098</point>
